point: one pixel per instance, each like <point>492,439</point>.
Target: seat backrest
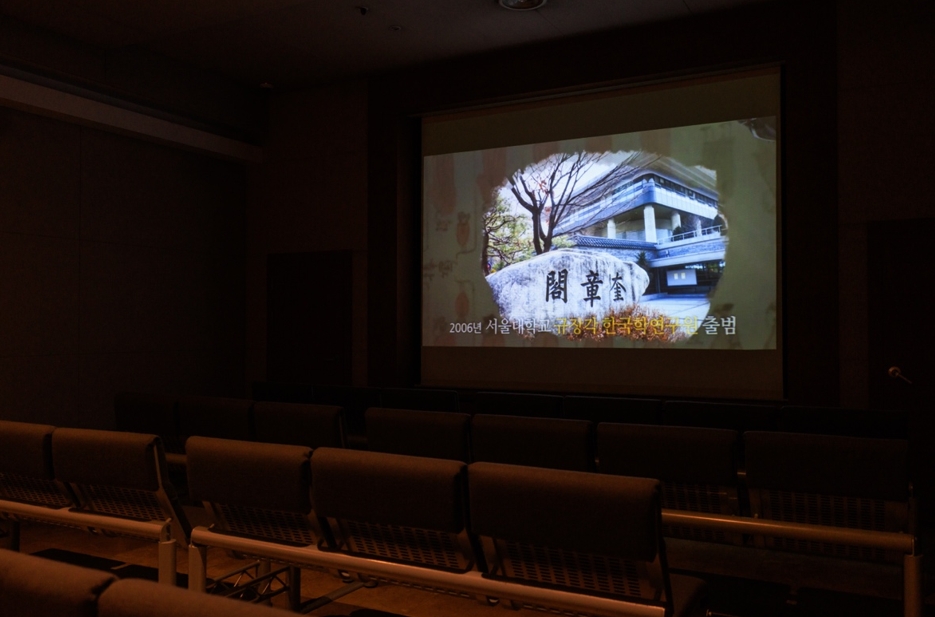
<point>611,409</point>
<point>31,586</point>
<point>407,509</point>
<point>697,468</point>
<point>256,490</point>
<point>518,404</point>
<point>299,425</point>
<point>207,416</point>
<point>829,480</point>
<point>539,442</point>
<point>434,434</point>
<point>141,598</point>
<point>845,422</point>
<point>587,532</point>
<point>731,416</point>
<point>423,399</point>
<point>26,472</point>
<point>156,414</point>
<point>118,474</point>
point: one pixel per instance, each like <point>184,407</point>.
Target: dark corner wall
<point>121,268</point>
<point>121,260</point>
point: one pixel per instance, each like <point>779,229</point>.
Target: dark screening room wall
<point>121,268</point>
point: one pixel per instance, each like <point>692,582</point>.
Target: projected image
<point>662,238</point>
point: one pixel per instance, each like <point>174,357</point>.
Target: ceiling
<point>293,42</point>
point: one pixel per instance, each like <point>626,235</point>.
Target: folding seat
<point>433,434</point>
<point>539,442</point>
<point>612,409</point>
<point>399,508</point>
<point>518,404</point>
<point>731,416</point>
<point>33,586</point>
<point>845,422</point>
<point>26,475</point>
<point>258,491</point>
<point>423,399</point>
<point>120,478</point>
<point>26,472</point>
<point>833,481</point>
<point>207,416</point>
<point>596,535</point>
<point>299,424</point>
<point>697,469</point>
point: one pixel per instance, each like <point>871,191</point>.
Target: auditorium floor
<point>728,571</point>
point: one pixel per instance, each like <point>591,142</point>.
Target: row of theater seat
<point>374,508</point>
<point>765,474</point>
<point>701,468</point>
<point>741,417</point>
<point>839,482</point>
<point>825,480</point>
<point>176,418</point>
<point>569,530</point>
<point>555,539</point>
<point>32,587</point>
<point>100,480</point>
<point>341,416</point>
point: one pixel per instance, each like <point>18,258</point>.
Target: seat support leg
<point>197,568</point>
<point>168,551</point>
<point>912,586</point>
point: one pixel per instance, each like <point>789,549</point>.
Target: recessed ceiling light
<point>522,5</point>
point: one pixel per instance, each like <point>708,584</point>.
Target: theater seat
<point>403,508</point>
<point>33,587</point>
<point>118,474</point>
<point>518,404</point>
<point>206,416</point>
<point>697,468</point>
<point>585,532</point>
<point>26,473</point>
<point>831,481</point>
<point>539,442</point>
<point>611,409</point>
<point>432,434</point>
<point>423,399</point>
<point>296,424</point>
<point>256,490</point>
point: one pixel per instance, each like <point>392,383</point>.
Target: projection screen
<point>622,242</point>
